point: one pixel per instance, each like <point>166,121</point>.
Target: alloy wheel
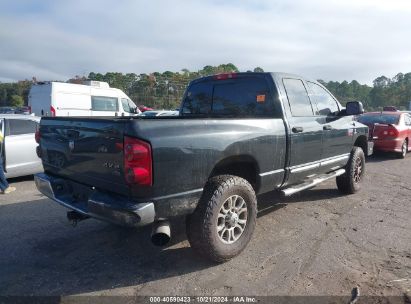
<point>232,219</point>
<point>358,169</point>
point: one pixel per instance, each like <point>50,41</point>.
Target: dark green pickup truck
<point>237,135</point>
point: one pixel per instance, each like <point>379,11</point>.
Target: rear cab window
<point>198,99</point>
<point>242,96</point>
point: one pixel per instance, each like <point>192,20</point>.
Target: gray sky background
<point>321,39</point>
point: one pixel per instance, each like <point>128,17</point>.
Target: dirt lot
<point>316,243</point>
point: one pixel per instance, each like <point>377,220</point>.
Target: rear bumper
<point>93,203</point>
<point>388,145</point>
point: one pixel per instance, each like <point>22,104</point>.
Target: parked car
<point>19,146</point>
<point>389,109</point>
<point>23,110</point>
<point>7,110</point>
<point>144,108</point>
<point>160,113</point>
<point>68,99</point>
<point>390,131</point>
<point>237,135</point>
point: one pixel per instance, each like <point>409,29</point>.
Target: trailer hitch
<point>74,217</point>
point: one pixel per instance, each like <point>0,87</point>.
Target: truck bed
<point>90,150</point>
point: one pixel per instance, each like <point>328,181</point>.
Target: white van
<point>94,98</point>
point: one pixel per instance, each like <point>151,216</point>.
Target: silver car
<point>160,113</point>
<point>18,149</point>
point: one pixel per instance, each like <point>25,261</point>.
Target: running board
<point>312,183</point>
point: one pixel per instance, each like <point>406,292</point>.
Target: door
<point>2,133</point>
<point>305,132</point>
<point>20,148</point>
<point>338,131</point>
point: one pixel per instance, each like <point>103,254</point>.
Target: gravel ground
<point>317,242</point>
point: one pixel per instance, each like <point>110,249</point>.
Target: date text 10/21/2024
<point>203,299</point>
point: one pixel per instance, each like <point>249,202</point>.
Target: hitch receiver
<point>74,217</point>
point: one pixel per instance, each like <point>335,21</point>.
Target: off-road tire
<point>350,181</point>
<point>201,226</point>
<point>404,150</point>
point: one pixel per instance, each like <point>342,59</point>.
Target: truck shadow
<point>42,255</point>
<point>272,201</point>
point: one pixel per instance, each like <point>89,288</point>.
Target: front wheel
<point>350,181</point>
<point>224,220</point>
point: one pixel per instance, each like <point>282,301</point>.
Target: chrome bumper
<point>96,204</point>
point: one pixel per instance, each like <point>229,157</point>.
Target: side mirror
<point>354,108</point>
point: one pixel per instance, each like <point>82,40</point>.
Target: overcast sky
<point>320,39</point>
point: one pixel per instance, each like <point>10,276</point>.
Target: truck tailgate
<point>89,151</point>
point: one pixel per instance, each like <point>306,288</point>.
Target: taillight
<point>29,109</point>
<point>389,131</point>
<point>52,111</point>
<point>225,76</point>
<point>37,136</point>
<point>137,162</point>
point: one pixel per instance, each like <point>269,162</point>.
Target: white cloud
<point>332,40</point>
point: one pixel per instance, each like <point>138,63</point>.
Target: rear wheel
<point>404,149</point>
<point>224,220</point>
<point>350,181</point>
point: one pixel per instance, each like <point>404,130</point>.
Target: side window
<point>326,104</point>
<point>22,126</point>
<point>102,103</point>
<point>126,105</point>
<point>407,120</point>
<point>198,99</point>
<point>300,104</point>
<point>133,107</point>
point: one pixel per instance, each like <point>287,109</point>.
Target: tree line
<point>385,91</point>
<point>165,90</point>
<point>160,90</point>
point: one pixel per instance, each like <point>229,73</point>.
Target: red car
<point>144,108</point>
<point>390,131</point>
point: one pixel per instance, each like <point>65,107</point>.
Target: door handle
<point>327,127</point>
<point>297,129</point>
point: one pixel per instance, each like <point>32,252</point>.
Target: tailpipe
<point>160,235</point>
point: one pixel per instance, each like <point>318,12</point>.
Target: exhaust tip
<point>161,233</point>
<point>160,239</point>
